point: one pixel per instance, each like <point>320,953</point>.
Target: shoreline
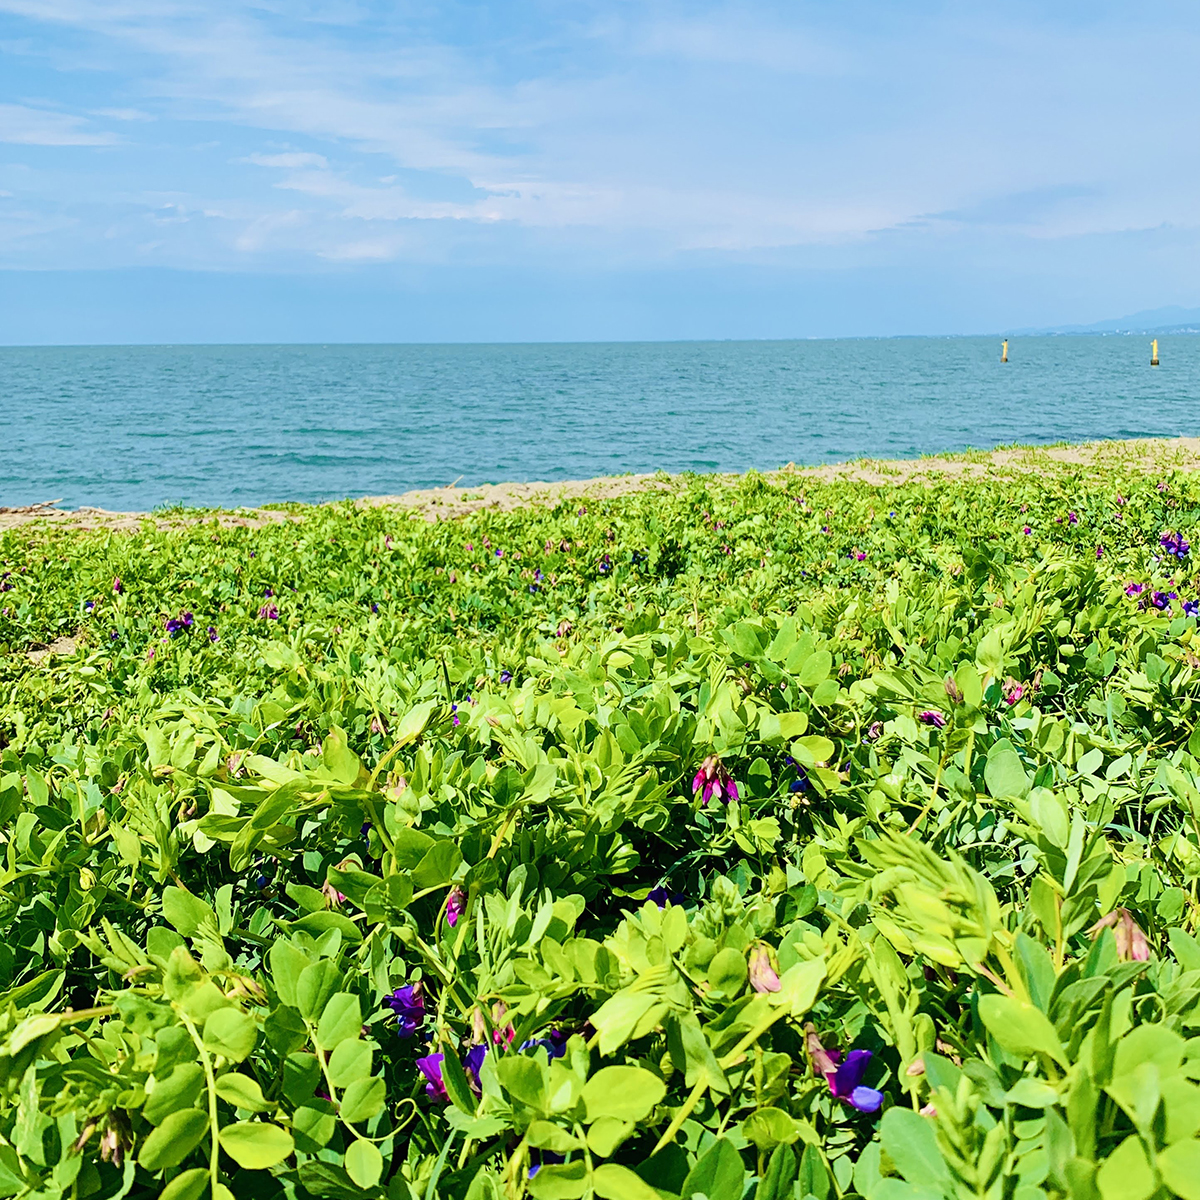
<point>450,502</point>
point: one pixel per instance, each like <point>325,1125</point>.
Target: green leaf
<point>187,913</point>
<point>351,1059</point>
<point>230,1033</point>
<point>179,1089</point>
<point>340,761</point>
<point>174,1139</point>
<point>340,1019</point>
<point>1126,1174</point>
<point>256,1145</point>
<point>316,984</point>
<point>727,972</point>
<point>566,1182</point>
<point>910,1143</point>
<point>242,1092</point>
<point>627,1093</point>
<point>718,1173</point>
<point>1180,1167</point>
<point>614,1182</point>
<point>1020,1027</point>
<point>781,1171</point>
<point>1004,773</point>
<point>455,1081</point>
<point>814,669</point>
<point>364,1163</point>
<point>524,1078</point>
<point>363,1099</point>
<point>438,866</point>
<point>287,962</point>
<point>768,1127</point>
<point>190,1185</point>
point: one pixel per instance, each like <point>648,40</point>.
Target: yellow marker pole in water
<point>1004,351</point>
<point>1154,353</point>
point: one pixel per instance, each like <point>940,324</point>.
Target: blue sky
<point>342,170</point>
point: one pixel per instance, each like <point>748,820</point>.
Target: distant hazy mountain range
<point>1172,319</point>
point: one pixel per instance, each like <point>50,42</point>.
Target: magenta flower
<point>268,612</point>
<point>117,585</point>
<point>1134,589</point>
<point>213,635</point>
<point>930,717</point>
<point>456,904</point>
<point>1026,530</point>
<point>1072,519</point>
<point>714,780</point>
<point>1013,692</point>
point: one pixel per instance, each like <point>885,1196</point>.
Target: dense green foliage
<point>289,772</point>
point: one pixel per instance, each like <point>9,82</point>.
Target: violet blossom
<point>1175,544</point>
<point>431,1067</point>
<point>932,717</point>
<point>456,905</point>
<point>844,1077</point>
<point>1132,945</point>
<point>662,897</point>
<point>408,1003</point>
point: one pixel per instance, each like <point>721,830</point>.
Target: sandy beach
<point>446,503</point>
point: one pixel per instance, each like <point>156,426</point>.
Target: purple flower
<point>180,623</point>
<point>860,557</point>
<point>930,717</point>
<point>268,612</point>
<point>875,730</point>
<point>1174,543</point>
<point>431,1067</point>
<point>1192,608</point>
<point>846,1082</point>
<point>554,1043</point>
<point>1162,600</point>
<point>118,587</point>
<point>1134,589</point>
<point>713,779</point>
<point>1099,551</point>
<point>456,904</point>
<point>800,783</point>
<point>213,635</point>
<point>112,637</point>
<point>506,677</point>
<point>662,897</point>
<point>1026,530</point>
<point>268,592</point>
<point>408,1003</point>
<point>604,565</point>
<point>374,608</point>
<point>1072,519</point>
<point>472,1062</point>
<point>89,605</point>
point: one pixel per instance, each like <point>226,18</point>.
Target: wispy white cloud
<point>24,126</point>
<point>290,159</point>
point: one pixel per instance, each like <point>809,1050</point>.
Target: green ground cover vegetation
<point>357,856</point>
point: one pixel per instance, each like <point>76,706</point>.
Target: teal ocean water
<point>141,426</point>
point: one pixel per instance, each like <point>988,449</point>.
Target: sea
<point>136,428</point>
